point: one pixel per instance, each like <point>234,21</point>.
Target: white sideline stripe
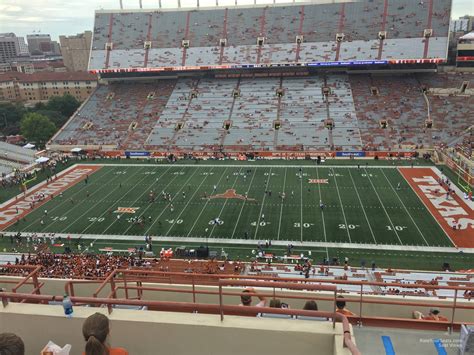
<point>224,165</point>
<point>405,207</point>
<point>251,242</point>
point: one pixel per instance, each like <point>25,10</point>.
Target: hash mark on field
<point>171,202</point>
<point>342,207</point>
<point>242,208</point>
<point>386,213</point>
<point>137,199</point>
<point>263,203</point>
<point>223,206</point>
<point>91,207</point>
<point>187,204</point>
<point>281,207</point>
<point>205,204</point>
<point>322,213</point>
<point>59,205</point>
<point>103,213</point>
<point>362,205</point>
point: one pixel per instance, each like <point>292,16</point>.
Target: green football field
<point>361,206</point>
<point>365,214</point>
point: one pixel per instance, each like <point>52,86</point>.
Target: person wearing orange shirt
<point>433,315</point>
<point>341,307</point>
<point>95,331</point>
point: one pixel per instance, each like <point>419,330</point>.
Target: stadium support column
<point>148,38</point>
<point>428,26</point>
<point>109,39</point>
<point>186,33</point>
<point>384,24</point>
<point>262,33</point>
<point>140,3</point>
<point>340,29</point>
<point>121,5</point>
<point>224,35</point>
<point>159,3</point>
<point>231,111</point>
<point>300,33</point>
<point>275,137</point>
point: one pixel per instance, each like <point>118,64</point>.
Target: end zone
<point>21,205</point>
<point>447,211</point>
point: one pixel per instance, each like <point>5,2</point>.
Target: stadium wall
<point>173,333</point>
<point>374,309</point>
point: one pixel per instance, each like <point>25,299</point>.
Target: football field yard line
<point>342,206</point>
<point>167,204</point>
<point>63,202</point>
<point>362,205</point>
<point>223,205</point>
<point>405,208</point>
<point>103,199</point>
<point>145,176</point>
<point>281,207</point>
<point>90,207</point>
<point>204,207</point>
<point>322,214</point>
<point>189,201</point>
<point>263,203</point>
<point>242,208</point>
<point>383,206</point>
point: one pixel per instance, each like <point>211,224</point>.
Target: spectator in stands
<point>433,315</point>
<point>246,300</point>
<point>95,331</point>
<point>310,305</point>
<point>341,307</point>
<point>276,303</point>
<point>11,344</point>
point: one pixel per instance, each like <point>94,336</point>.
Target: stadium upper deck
<point>304,34</point>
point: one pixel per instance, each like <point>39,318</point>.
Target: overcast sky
<point>69,17</point>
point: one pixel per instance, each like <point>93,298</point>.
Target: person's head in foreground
<point>11,344</point>
<point>95,331</point>
<point>310,306</point>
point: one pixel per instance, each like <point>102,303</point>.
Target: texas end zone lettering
<point>9,213</point>
<point>451,211</point>
<point>447,211</point>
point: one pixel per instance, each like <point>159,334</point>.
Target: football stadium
<point>247,173</point>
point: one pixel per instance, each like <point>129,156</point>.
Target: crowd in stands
<point>154,39</point>
<point>242,113</point>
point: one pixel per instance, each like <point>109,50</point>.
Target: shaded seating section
<point>119,115</point>
<point>203,114</point>
<point>450,111</point>
<point>400,102</point>
<point>253,114</point>
<point>277,25</point>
